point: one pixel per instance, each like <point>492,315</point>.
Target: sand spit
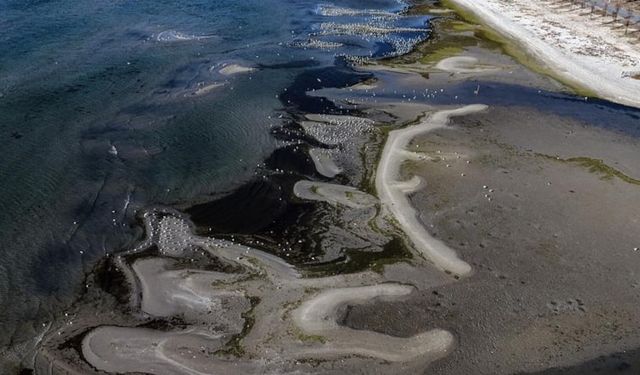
<point>318,316</point>
<point>324,162</point>
<point>333,194</point>
<point>232,69</point>
<point>364,86</point>
<point>393,193</point>
<point>586,52</point>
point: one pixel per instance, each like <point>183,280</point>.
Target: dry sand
<point>578,48</point>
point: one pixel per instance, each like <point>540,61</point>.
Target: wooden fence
<point>622,15</point>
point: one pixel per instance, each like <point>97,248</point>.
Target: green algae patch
<point>234,346</point>
<point>596,166</point>
<point>440,54</point>
<point>357,260</point>
<point>311,338</point>
<point>460,26</point>
<point>599,167</point>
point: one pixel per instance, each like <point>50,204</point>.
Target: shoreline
<point>604,78</point>
<point>278,315</point>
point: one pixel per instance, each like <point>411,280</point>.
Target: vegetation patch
<point>357,260</point>
<point>234,346</point>
<point>599,167</point>
<point>311,338</point>
<point>596,166</point>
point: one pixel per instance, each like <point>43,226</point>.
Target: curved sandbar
<point>393,193</point>
<point>319,315</point>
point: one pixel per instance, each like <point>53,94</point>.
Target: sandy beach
<point>584,50</point>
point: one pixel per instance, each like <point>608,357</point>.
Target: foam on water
<point>178,36</point>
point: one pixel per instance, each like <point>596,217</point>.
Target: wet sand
<point>551,244</point>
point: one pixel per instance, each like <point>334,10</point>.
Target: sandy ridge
<point>393,193</point>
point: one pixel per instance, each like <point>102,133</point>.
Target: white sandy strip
<point>580,49</point>
<point>232,69</point>
<point>318,316</point>
<point>392,193</point>
<point>206,89</point>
